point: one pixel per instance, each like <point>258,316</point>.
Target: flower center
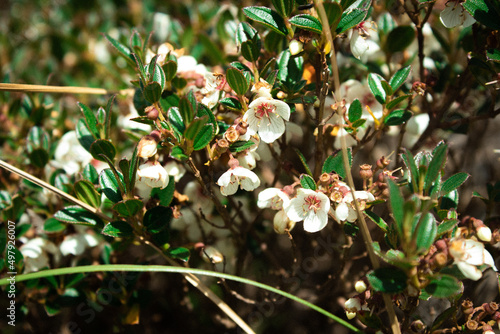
<point>276,203</point>
<point>313,203</point>
<point>264,109</point>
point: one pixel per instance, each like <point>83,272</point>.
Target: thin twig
<point>13,87</point>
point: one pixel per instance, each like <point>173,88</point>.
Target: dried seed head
<point>366,172</point>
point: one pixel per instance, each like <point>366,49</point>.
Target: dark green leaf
<point>335,163</point>
<point>90,119</point>
<point>157,218</point>
<point>493,55</point>
<point>395,101</point>
<point>436,165</point>
<point>486,12</point>
<point>424,231</point>
<point>412,167</point>
<point>118,229</point>
<point>170,69</point>
<point>39,157</point>
<point>267,17</point>
<point>307,22</point>
<point>333,12</point>
<point>204,137</point>
<point>152,92</point>
<point>79,216</point>
<point>388,280</point>
<point>400,77</point>
<point>445,316</point>
<point>399,39</point>
<point>245,32</point>
<point>122,49</point>
<point>104,147</point>
<point>446,226</point>
<point>166,194</point>
<point>304,161</point>
<point>86,193</point>
<point>355,111</point>
<point>84,135</point>
<point>358,123</point>
<point>449,201</point>
<point>179,253</point>
<point>376,87</point>
<point>53,225</point>
<point>195,127</point>
<point>240,146</point>
<point>237,81</point>
<point>453,182</point>
<point>187,107</point>
<point>443,286</point>
<point>178,153</point>
<point>110,186</point>
<point>350,19</point>
<point>397,117</point>
<point>377,220</point>
<point>283,7</point>
<point>128,208</point>
<point>37,138</point>
<point>396,201</point>
<point>307,182</point>
<point>231,103</point>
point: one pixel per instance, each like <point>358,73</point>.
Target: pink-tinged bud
<point>146,147</point>
<point>156,135</point>
<point>151,112</point>
<point>233,163</point>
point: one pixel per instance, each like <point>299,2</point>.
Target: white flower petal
<point>452,15</point>
<point>359,46</point>
<point>315,221</point>
<point>282,109</point>
<point>271,128</point>
<point>229,189</point>
<point>342,211</point>
<point>469,271</point>
<point>294,210</point>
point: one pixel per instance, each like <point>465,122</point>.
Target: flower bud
<point>417,326</point>
<point>151,113</point>
<point>353,304</point>
<point>350,315</point>
<point>296,47</point>
<point>383,162</point>
<point>366,172</point>
<point>360,286</point>
<point>146,147</point>
<point>211,254</point>
<point>484,233</point>
<point>281,223</point>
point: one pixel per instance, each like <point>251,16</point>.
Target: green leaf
<point>307,182</point>
<point>307,22</point>
<point>424,231</point>
<point>493,55</point>
<point>86,193</point>
<point>195,127</point>
<point>446,226</point>
<point>267,17</point>
<point>412,167</point>
<point>486,12</point>
<point>333,12</point>
<point>304,161</point>
<point>178,153</point>
<point>170,69</point>
<point>231,103</point>
<point>77,215</point>
<point>395,101</point>
<point>84,135</point>
<point>355,111</point>
<point>177,122</point>
<point>436,165</point>
<point>179,253</point>
<point>397,117</point>
<point>388,280</point>
<point>335,163</point>
<point>449,201</point>
<point>152,92</point>
<point>237,81</point>
<point>157,218</point>
<point>396,201</point>
<point>350,19</point>
<point>377,220</point>
<point>204,137</point>
<point>445,316</point>
<point>240,145</point>
<point>453,182</point>
<point>118,229</point>
<point>244,32</point>
<point>110,186</point>
<point>129,207</point>
<point>122,49</point>
<point>104,147</point>
<point>376,87</point>
<point>399,39</point>
<point>90,119</point>
<point>358,123</point>
<point>400,77</point>
<point>37,138</point>
<point>283,7</point>
<point>443,286</point>
<point>53,225</point>
<point>166,194</point>
<point>39,157</point>
<point>187,107</point>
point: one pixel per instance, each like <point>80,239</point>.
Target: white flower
<point>214,83</point>
<point>310,206</point>
<point>345,209</point>
<point>273,198</point>
<point>414,128</point>
<point>70,155</point>
<point>248,159</point>
<point>230,180</point>
<point>175,169</point>
<point>455,14</point>
<point>267,117</point>
<point>353,305</point>
<point>361,45</point>
<point>200,200</point>
<point>77,243</point>
<point>211,254</point>
<point>262,89</point>
<point>35,254</point>
<point>468,254</point>
<point>150,175</point>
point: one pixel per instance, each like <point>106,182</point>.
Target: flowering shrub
<point>357,121</point>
